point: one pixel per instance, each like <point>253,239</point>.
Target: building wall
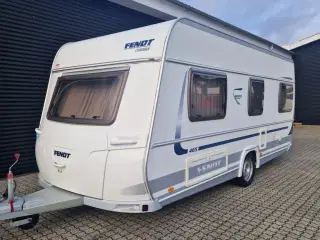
<point>31,32</point>
<point>307,70</point>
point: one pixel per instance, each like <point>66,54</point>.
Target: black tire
<point>248,172</point>
<point>30,225</point>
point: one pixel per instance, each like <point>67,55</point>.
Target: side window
<point>285,98</point>
<point>207,96</point>
<point>256,97</point>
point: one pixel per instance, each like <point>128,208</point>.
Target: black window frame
<point>249,96</point>
<point>285,84</point>
<point>87,77</point>
<point>201,119</point>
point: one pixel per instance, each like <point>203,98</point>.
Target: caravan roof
<point>119,47</point>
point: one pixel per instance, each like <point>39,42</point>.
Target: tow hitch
<point>10,203</point>
<point>11,184</point>
<point>23,212</point>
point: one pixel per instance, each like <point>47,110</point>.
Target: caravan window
<point>285,98</point>
<point>88,98</point>
<point>256,97</point>
<point>207,96</point>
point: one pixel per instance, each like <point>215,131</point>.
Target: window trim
<point>195,71</point>
<point>249,93</point>
<point>88,76</point>
<point>286,84</point>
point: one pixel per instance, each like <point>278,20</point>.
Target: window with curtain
<point>88,99</point>
<point>207,96</point>
<point>285,101</point>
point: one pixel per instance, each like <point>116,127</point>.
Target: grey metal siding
<point>307,71</point>
<point>31,32</point>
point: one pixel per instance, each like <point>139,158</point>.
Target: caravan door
<point>72,145</point>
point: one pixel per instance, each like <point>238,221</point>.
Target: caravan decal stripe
<point>237,139</point>
<point>162,183</point>
<point>177,147</point>
<point>179,150</point>
<point>277,129</point>
<point>227,141</point>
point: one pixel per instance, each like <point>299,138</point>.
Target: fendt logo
<point>143,45</point>
<point>237,94</point>
<point>61,154</point>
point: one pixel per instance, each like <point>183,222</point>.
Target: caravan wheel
<point>248,172</point>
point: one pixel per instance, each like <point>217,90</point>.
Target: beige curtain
<point>90,99</point>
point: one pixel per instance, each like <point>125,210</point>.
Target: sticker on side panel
<point>205,166</point>
<point>237,94</point>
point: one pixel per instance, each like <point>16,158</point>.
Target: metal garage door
<point>307,68</point>
<point>30,34</point>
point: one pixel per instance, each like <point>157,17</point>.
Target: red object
<point>17,156</point>
<point>209,101</point>
<point>11,205</point>
<point>10,176</point>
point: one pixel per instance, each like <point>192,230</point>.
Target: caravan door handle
<point>59,165</point>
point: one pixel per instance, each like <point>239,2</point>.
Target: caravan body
<point>136,120</point>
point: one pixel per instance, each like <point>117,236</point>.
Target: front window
<point>88,98</point>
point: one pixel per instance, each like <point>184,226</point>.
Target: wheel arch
<point>249,150</point>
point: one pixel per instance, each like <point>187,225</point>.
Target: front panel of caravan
<point>90,151</point>
<point>86,157</point>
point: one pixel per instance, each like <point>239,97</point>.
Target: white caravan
<point>136,120</point>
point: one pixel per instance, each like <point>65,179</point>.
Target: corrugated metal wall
<point>31,32</point>
<point>307,70</point>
